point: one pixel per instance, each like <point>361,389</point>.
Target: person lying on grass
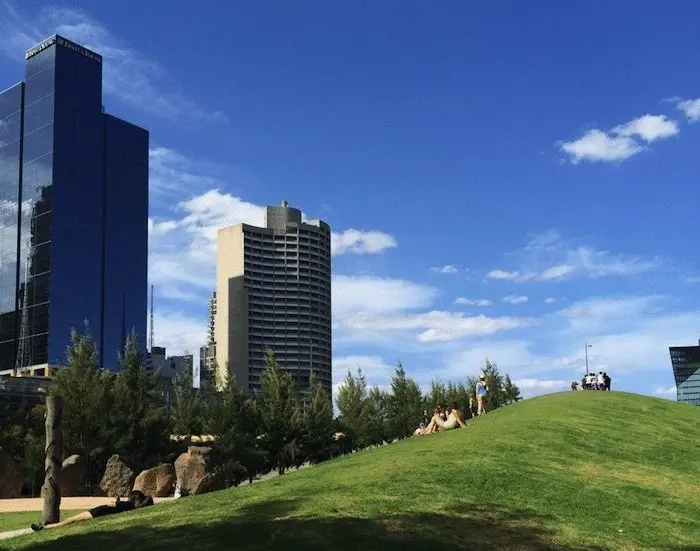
<point>136,501</point>
<point>437,423</point>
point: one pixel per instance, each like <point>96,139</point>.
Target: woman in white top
<point>601,381</point>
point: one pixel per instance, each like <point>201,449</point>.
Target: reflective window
<point>126,235</point>
<point>38,114</point>
<point>10,109</point>
<point>75,200</point>
<point>38,143</point>
<point>686,370</point>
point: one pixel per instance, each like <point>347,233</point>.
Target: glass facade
<point>686,370</point>
<point>62,160</point>
<point>126,234</point>
<point>10,167</point>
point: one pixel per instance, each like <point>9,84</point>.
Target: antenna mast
<point>152,331</point>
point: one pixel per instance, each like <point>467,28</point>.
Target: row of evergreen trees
<point>125,413</point>
<point>372,416</point>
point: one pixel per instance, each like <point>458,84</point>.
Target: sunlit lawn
<point>585,470</point>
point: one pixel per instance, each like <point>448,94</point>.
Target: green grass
<point>578,471</point>
<point>15,521</point>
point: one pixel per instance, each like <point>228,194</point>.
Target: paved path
<point>15,533</point>
<point>67,503</point>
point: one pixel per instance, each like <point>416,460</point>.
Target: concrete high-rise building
<point>685,361</point>
<point>273,289</point>
<point>73,213</point>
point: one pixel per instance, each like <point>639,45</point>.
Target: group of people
<point>447,418</point>
<point>591,381</point>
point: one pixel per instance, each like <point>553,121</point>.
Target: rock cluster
<point>118,479</point>
<point>195,474</point>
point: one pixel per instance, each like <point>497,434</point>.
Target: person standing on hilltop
<point>601,382</point>
<point>481,390</point>
<point>606,380</point>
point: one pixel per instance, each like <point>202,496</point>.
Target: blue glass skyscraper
<point>73,212</point>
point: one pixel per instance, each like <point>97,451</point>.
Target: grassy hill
<point>583,470</point>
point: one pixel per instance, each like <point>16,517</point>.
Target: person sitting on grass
<point>437,423</point>
<point>136,500</point>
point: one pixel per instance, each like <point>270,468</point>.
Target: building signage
<point>40,47</point>
<point>64,43</point>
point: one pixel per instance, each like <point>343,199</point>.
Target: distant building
<point>685,361</point>
<point>73,213</point>
<point>273,289</point>
<point>207,353</point>
<point>18,392</point>
<point>168,369</point>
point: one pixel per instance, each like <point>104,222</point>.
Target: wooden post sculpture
<point>51,490</point>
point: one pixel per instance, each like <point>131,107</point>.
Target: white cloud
<point>435,326</point>
<point>447,269</point>
<point>369,295</point>
<point>500,274</point>
<point>513,299</point>
<point>631,346</point>
<point>550,300</point>
<point>557,272</point>
<point>183,241</point>
<point>472,302</point>
<point>649,128</point>
<point>178,332</point>
<point>691,108</point>
<point>667,392</point>
<point>622,141</point>
<point>596,145</point>
<point>174,175</point>
<point>534,387</point>
<point>548,257</point>
<point>375,369</point>
<point>599,313</point>
<point>182,259</point>
<point>361,242</point>
<point>128,75</point>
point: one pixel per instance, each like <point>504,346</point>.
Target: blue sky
<point>501,181</point>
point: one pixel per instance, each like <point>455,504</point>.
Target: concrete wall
<point>229,265</point>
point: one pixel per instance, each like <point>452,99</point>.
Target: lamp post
<point>586,348</point>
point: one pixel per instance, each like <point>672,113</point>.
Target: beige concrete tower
<point>273,289</point>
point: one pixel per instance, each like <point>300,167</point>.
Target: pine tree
<point>511,391</point>
<point>187,416</point>
<point>462,400</point>
<point>230,418</point>
<point>405,404</point>
<point>495,397</point>
<point>378,408</point>
<point>356,412</point>
<point>280,415</point>
<point>87,401</point>
<point>318,424</point>
<point>437,397</point>
<point>140,429</point>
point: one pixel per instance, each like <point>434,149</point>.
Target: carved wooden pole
<point>51,490</point>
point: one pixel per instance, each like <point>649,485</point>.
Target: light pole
<point>587,347</point>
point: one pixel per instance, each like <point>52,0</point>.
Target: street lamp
<point>587,347</point>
